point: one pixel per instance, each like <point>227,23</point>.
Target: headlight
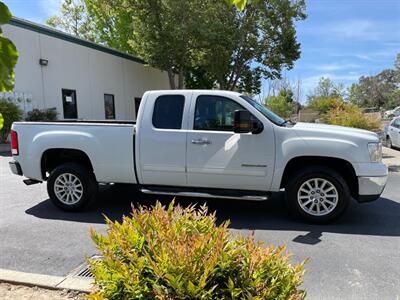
<point>375,152</point>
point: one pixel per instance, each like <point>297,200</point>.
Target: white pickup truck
<point>201,143</point>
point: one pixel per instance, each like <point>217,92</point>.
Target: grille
<point>83,271</point>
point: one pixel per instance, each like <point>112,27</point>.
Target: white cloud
<point>335,67</point>
<point>371,56</point>
<point>357,30</point>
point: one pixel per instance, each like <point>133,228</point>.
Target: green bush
<point>280,106</point>
<point>49,114</point>
<point>11,113</point>
<point>350,115</point>
<point>180,253</point>
<point>324,104</point>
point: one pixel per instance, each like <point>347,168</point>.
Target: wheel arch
<point>341,166</point>
<point>54,157</point>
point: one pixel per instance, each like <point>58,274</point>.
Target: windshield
<point>265,111</point>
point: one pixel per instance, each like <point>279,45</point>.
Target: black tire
<point>389,142</point>
<point>322,174</point>
<point>86,190</point>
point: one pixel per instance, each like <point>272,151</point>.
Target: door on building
<point>70,106</point>
<point>137,104</point>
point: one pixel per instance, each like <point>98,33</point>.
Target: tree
<point>280,106</point>
<point>326,95</point>
<point>112,24</point>
<point>8,53</point>
<point>208,43</point>
<point>327,89</point>
<point>73,19</point>
<point>376,91</point>
<point>381,90</point>
<point>261,43</point>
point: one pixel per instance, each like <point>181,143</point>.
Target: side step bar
<point>204,195</point>
<point>31,181</point>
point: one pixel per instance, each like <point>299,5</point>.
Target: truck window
<point>215,113</point>
<point>168,112</point>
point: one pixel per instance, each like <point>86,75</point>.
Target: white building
<point>82,80</point>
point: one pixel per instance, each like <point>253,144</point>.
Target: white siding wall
<point>92,73</point>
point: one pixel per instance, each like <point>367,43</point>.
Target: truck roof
<point>209,92</point>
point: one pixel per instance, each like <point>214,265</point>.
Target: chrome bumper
<point>370,188</point>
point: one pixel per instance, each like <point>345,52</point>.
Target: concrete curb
<point>47,281</point>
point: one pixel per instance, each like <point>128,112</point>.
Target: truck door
<point>219,158</point>
<point>162,138</point>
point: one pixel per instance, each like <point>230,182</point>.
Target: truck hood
<point>333,131</point>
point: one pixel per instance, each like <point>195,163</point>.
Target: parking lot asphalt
<point>357,257</point>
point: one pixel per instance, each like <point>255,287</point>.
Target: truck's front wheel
<point>318,194</point>
<point>71,186</point>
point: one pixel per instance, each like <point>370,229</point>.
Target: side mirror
<point>242,122</point>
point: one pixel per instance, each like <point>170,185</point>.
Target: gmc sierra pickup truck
<point>201,143</point>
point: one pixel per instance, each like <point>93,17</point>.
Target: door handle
<point>201,142</point>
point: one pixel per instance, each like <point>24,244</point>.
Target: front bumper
<point>15,168</point>
<point>370,188</point>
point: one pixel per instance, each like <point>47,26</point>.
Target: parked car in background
<point>393,133</point>
<point>392,113</point>
<point>201,143</point>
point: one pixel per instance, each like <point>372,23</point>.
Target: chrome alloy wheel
<point>68,188</point>
<point>317,197</point>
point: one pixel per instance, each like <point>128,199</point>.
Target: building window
<point>168,112</point>
<point>69,104</point>
<point>137,104</point>
<point>109,106</point>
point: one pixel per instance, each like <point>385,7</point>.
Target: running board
<point>203,195</point>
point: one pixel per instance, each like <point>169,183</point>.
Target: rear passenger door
<point>162,139</point>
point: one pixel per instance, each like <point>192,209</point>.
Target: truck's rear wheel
<point>318,194</point>
<point>71,187</point>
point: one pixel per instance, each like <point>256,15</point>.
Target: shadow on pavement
<point>381,217</point>
<point>5,154</point>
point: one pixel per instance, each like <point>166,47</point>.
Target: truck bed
<point>109,145</point>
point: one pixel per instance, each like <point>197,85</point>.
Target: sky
<point>340,39</point>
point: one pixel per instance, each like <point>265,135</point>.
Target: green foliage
<point>350,115</point>
<point>11,113</point>
<point>326,88</point>
<point>1,121</point>
<point>180,253</point>
<point>258,42</point>
<point>240,4</point>
<point>280,106</point>
<point>73,19</point>
<point>326,96</point>
<point>8,54</point>
<point>112,25</point>
<point>323,105</point>
<point>217,46</point>
<point>379,91</point>
<point>49,114</point>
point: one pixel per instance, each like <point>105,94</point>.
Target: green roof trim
<point>70,38</point>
